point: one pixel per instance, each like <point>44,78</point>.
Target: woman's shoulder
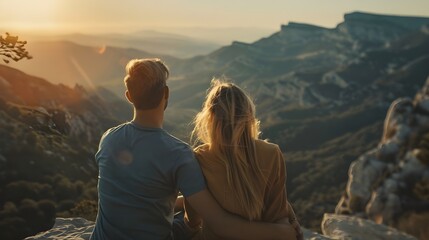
<point>208,160</point>
<point>266,146</point>
<point>269,154</point>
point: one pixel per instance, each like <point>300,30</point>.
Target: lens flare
<point>102,49</point>
<point>125,157</point>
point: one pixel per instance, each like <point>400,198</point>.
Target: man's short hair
<point>145,81</point>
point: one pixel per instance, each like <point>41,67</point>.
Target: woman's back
<point>271,191</point>
<point>244,174</point>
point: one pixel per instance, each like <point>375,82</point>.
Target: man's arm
<point>179,205</point>
<point>192,218</point>
<point>230,226</point>
<point>294,222</point>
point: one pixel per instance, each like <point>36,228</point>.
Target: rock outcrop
<point>67,228</point>
<point>346,227</point>
<point>333,226</point>
<point>389,183</point>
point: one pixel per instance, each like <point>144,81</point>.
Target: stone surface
<point>80,229</point>
<point>333,226</point>
<point>362,174</point>
<point>310,235</point>
<point>354,228</point>
<point>67,228</point>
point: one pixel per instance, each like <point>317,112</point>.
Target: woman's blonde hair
<point>227,124</point>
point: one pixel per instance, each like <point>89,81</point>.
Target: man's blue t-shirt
<point>141,171</point>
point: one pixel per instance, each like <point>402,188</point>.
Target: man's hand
<point>290,232</point>
<point>296,233</point>
<point>297,227</point>
<point>294,222</point>
<point>178,206</point>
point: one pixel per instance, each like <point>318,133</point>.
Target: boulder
<point>354,228</point>
<point>389,182</point>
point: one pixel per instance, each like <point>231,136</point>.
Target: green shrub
<point>86,209</point>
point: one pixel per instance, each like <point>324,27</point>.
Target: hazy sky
<point>131,15</point>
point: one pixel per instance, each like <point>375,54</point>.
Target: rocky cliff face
<point>378,30</point>
<point>390,184</point>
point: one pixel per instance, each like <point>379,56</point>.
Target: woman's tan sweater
<point>272,192</point>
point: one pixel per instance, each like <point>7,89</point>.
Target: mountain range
<point>48,136</point>
<point>178,45</point>
<point>321,94</point>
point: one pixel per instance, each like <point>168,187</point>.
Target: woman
<point>245,175</point>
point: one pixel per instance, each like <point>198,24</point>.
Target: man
<point>142,168</point>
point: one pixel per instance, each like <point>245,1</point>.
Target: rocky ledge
<point>333,226</point>
<point>67,228</point>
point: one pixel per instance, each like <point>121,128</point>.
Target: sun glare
<point>29,14</point>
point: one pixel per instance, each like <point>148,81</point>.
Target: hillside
<point>322,94</point>
<point>48,136</point>
<point>70,63</point>
<point>176,45</point>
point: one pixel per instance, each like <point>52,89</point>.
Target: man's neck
<point>152,118</point>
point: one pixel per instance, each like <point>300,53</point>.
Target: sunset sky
<point>62,16</point>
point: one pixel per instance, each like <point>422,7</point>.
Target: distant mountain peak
<point>238,43</point>
<point>361,14</point>
<point>407,22</point>
<point>301,26</point>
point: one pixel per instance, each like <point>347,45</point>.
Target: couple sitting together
<point>233,184</point>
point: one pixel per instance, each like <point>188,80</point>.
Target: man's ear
<point>166,92</point>
<point>128,96</point>
<point>166,96</point>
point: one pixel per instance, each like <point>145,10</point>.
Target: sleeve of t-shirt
<point>189,177</point>
<point>100,152</point>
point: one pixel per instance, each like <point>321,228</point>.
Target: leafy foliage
<point>12,48</point>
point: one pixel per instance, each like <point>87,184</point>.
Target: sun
<point>28,13</point>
